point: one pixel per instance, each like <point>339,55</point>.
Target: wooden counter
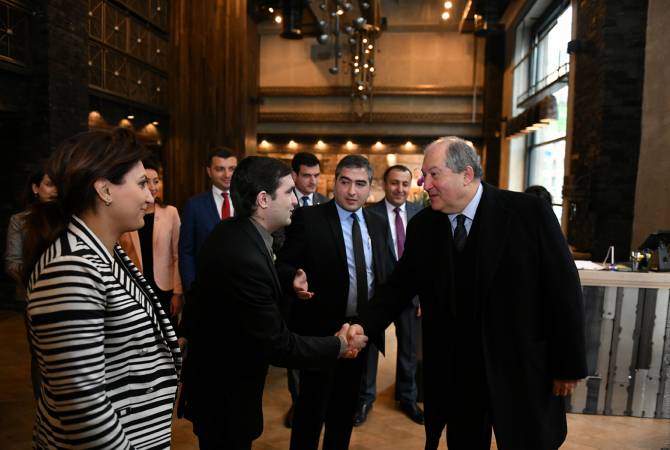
<point>628,344</point>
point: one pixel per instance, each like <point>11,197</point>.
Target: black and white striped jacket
<point>108,356</point>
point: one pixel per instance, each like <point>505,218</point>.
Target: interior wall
<point>652,194</point>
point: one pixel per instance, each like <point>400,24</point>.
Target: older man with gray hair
<point>503,325</point>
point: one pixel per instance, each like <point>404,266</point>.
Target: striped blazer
<point>108,356</point>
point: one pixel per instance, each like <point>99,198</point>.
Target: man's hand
<point>356,340</point>
<point>418,311</point>
<point>176,305</point>
<point>300,285</point>
<point>183,345</point>
<point>563,388</point>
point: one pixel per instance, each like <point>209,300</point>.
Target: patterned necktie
<point>399,232</point>
<point>460,234</point>
<point>359,260</point>
<point>225,208</point>
<point>305,200</point>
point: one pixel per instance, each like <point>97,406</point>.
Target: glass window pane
<point>546,167</point>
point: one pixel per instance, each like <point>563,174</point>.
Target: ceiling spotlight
<point>409,145</point>
<point>349,145</point>
<point>446,15</point>
<point>154,123</point>
<point>271,10</point>
<point>356,57</point>
<point>355,64</point>
<point>334,70</point>
<point>371,46</point>
<point>365,66</point>
<point>278,19</point>
<point>356,70</point>
<point>360,88</point>
<point>130,117</point>
<point>372,69</point>
<point>365,40</point>
<point>264,144</point>
<point>348,6</point>
<point>322,39</point>
<point>379,145</point>
<point>320,144</point>
<point>340,12</point>
<point>292,144</point>
<point>448,5</point>
<point>360,22</point>
<point>367,52</point>
<point>365,5</point>
<point>349,29</point>
<point>352,41</point>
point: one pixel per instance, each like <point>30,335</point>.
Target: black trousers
<point>330,398</point>
<point>219,443</point>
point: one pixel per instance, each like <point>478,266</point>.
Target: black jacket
<point>314,243</point>
<point>238,330</point>
<point>532,321</point>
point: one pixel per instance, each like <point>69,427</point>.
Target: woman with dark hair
<point>39,188</point>
<point>108,355</point>
<point>154,248</point>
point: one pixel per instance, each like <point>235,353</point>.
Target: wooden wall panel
<point>213,76</point>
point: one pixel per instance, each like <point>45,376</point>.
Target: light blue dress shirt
<point>346,221</point>
<point>469,212</point>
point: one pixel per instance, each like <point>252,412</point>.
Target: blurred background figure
<point>154,248</point>
<point>108,356</point>
<point>39,188</point>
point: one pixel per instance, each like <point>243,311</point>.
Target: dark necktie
<point>305,200</point>
<point>359,259</point>
<point>225,208</point>
<point>399,232</point>
<point>460,235</point>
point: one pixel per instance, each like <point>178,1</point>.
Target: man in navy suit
<point>396,211</point>
<point>203,211</point>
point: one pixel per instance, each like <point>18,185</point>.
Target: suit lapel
<point>493,225</point>
<point>257,239</point>
<point>211,208</point>
<point>333,220</point>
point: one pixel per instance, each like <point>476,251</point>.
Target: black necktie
<point>460,235</point>
<point>305,201</point>
<point>359,259</point>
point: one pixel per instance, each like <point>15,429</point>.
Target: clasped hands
<point>355,339</point>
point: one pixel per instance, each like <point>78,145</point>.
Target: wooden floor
<point>386,427</point>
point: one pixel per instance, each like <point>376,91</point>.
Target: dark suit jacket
<point>317,198</point>
<point>379,208</point>
<point>198,219</point>
<point>314,243</point>
<point>529,296</point>
<point>237,332</point>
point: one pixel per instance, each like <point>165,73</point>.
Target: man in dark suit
<point>306,170</point>
<point>502,309</point>
<point>238,327</point>
<point>344,252</point>
<point>203,211</point>
<point>396,212</point>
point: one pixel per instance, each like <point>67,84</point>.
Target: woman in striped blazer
<point>106,350</point>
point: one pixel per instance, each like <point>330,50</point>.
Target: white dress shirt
<point>469,211</point>
<point>218,199</point>
<point>300,195</point>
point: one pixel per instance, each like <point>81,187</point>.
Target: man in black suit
<point>502,309</point>
<point>306,170</point>
<point>344,252</point>
<point>238,329</point>
<point>396,212</point>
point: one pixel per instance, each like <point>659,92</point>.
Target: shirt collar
<point>218,192</point>
<point>391,208</point>
<point>471,209</point>
<point>300,195</point>
<point>346,215</point>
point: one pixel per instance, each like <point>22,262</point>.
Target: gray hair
<point>353,162</point>
<point>460,154</point>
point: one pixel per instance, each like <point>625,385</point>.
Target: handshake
<point>353,338</point>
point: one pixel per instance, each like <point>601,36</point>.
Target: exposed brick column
<point>609,75</point>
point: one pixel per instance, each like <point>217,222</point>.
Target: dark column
<point>214,60</point>
<point>608,75</point>
<point>494,61</point>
